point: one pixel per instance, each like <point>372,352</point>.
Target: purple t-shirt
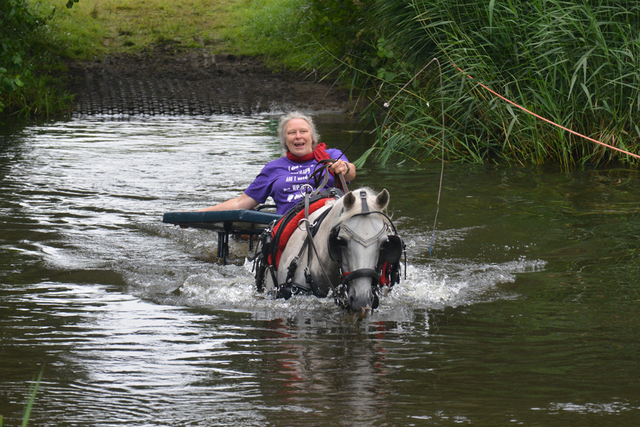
<point>282,179</point>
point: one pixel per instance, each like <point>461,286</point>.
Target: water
<point>524,314</point>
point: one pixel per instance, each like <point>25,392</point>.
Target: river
<point>523,310</point>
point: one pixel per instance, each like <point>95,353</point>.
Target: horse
<point>348,247</point>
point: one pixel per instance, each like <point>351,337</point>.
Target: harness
<point>387,272</point>
<point>274,240</point>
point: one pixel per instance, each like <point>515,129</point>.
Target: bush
<point>18,26</point>
<point>25,48</point>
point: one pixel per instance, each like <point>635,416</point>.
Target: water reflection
<point>324,370</point>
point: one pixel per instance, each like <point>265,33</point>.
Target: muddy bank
<point>162,81</point>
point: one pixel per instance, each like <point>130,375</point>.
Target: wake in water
<point>430,283</point>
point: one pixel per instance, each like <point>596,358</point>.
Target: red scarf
<point>318,153</point>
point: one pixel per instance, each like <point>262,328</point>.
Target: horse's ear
<point>349,200</point>
<point>382,200</point>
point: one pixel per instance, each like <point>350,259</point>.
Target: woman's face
<point>297,137</point>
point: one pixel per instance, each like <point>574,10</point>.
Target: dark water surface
<point>526,313</point>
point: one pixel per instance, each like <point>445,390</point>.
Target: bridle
<point>390,252</point>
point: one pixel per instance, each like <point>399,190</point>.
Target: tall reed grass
<point>576,63</point>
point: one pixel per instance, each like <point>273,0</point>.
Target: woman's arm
<point>241,202</point>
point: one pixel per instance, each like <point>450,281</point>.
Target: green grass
<point>96,28</point>
<point>273,29</point>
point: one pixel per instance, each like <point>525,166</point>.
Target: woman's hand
<point>345,168</point>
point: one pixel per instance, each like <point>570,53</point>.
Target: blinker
<point>392,249</point>
<point>334,245</point>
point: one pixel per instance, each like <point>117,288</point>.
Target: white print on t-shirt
<point>294,196</point>
<point>298,175</point>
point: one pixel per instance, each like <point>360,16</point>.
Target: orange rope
<point>547,120</point>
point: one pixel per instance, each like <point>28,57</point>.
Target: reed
<point>33,391</point>
<point>575,63</point>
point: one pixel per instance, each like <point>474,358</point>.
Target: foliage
<point>575,63</point>
<point>17,24</point>
<point>309,34</point>
<point>273,28</point>
<point>27,57</point>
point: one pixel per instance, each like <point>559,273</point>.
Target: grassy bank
<point>49,33</point>
<point>96,28</point>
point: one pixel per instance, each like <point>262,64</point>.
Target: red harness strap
<point>291,226</point>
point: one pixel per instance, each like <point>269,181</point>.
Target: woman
<point>283,178</point>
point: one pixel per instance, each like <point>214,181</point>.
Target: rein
<point>320,185</point>
<point>312,247</point>
<point>307,194</point>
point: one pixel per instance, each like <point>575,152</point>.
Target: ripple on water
<point>88,273</point>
